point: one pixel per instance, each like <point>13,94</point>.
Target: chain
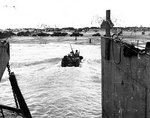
<point>9,73</point>
<point>8,67</point>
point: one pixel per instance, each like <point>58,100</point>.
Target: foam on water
<point>50,90</point>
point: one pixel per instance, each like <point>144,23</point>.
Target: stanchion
<point>23,106</point>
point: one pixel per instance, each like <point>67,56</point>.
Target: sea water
<point>52,91</point>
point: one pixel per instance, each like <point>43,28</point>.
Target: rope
<point>129,75</point>
<point>8,67</point>
<point>15,98</point>
<point>119,61</point>
<point>147,56</point>
<point>134,43</point>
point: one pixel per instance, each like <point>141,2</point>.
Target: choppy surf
<point>50,90</point>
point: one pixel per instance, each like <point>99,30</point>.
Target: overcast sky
<point>72,13</point>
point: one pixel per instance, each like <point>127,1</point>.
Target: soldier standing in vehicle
<point>76,53</point>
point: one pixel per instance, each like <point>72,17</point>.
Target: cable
<point>119,61</point>
<point>147,56</point>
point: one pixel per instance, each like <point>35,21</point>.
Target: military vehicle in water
<point>69,61</point>
<point>72,59</point>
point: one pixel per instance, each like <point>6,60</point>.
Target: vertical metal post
<point>107,42</point>
<point>106,69</point>
<point>108,26</point>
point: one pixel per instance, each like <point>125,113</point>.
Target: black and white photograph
<point>74,59</point>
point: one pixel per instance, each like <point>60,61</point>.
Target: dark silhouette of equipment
<point>72,59</point>
<point>21,106</point>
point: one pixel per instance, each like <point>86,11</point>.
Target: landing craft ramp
<point>21,106</point>
<point>4,56</point>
